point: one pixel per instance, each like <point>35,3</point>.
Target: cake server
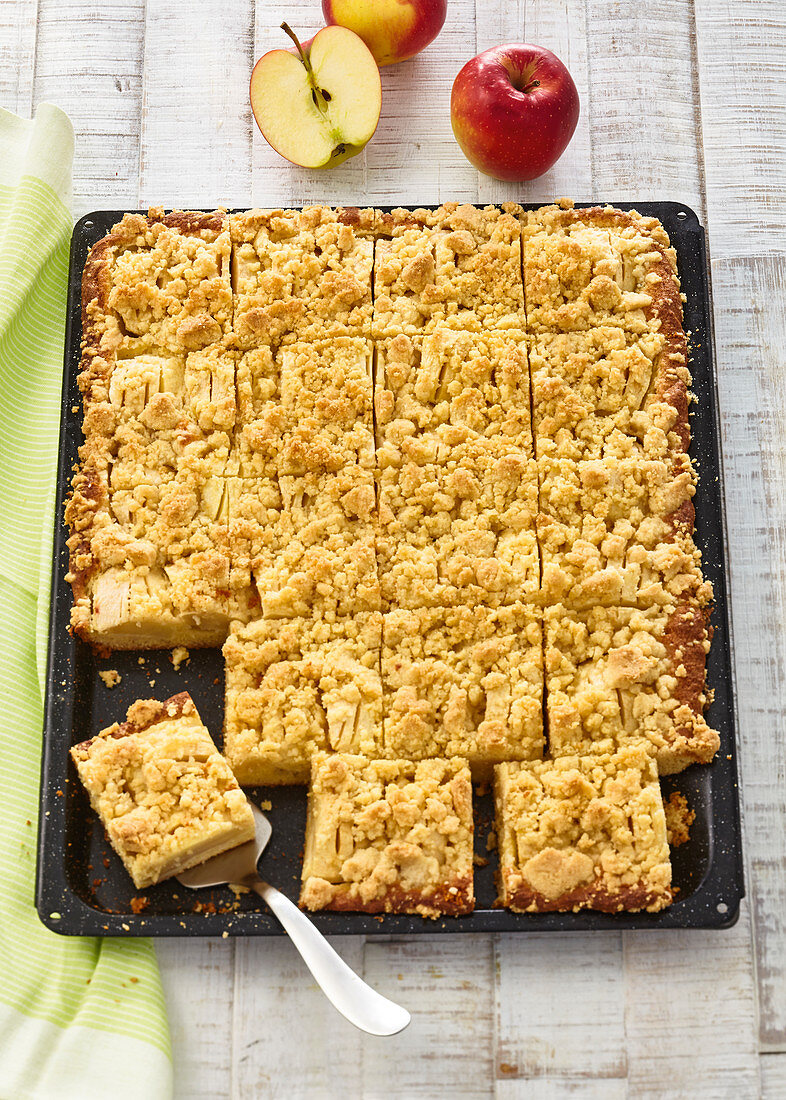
<point>358,1002</point>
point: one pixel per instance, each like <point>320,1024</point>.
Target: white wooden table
<point>682,100</point>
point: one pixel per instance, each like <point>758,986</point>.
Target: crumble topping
<point>581,832</point>
<point>388,836</point>
<point>297,686</point>
<point>301,273</point>
<point>622,673</point>
<point>166,797</point>
<point>458,266</point>
<point>463,682</point>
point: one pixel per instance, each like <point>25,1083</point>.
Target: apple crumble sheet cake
<point>426,474</point>
<point>389,836</point>
<point>166,797</point>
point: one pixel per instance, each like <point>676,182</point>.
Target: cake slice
<point>157,284</point>
<point>388,836</point>
<point>582,832</point>
<point>305,408</point>
<point>150,564</point>
<point>296,686</point>
<point>301,274</point>
<point>463,682</point>
<point>166,797</point>
<point>585,267</point>
<point>605,393</point>
<point>618,531</point>
<point>458,267</point>
<point>618,673</point>
<point>477,381</point>
<point>456,521</point>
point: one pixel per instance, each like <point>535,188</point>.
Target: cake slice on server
<point>166,797</point>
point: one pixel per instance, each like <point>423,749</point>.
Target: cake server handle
<point>358,1002</point>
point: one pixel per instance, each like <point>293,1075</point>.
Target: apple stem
<point>320,98</point>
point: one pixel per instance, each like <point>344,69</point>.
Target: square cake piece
<point>150,564</point>
<point>475,381</point>
<point>582,832</point>
<point>616,673</point>
<point>618,531</point>
<point>463,682</point>
<point>302,274</point>
<point>389,836</point>
<point>166,797</point>
<point>156,284</point>
<point>599,266</point>
<point>605,394</point>
<point>457,266</point>
<point>305,408</point>
<point>456,521</point>
<point>296,686</point>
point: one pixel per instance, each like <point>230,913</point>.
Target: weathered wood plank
<point>446,982</point>
<point>196,113</point>
<point>773,1076</point>
<point>689,1014</point>
<point>750,326</point>
<point>17,55</point>
<point>651,153</point>
<point>288,1041</point>
<point>89,62</point>
<point>561,1088</point>
<point>561,28</point>
<point>197,976</point>
<point>560,1007</point>
<point>741,51</point>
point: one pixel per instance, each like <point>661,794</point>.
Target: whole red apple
<point>514,109</point>
<point>393,30</point>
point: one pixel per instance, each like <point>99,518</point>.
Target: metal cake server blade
<point>354,999</point>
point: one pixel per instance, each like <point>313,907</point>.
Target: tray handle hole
<point>682,215</point>
<point>722,907</point>
<point>87,225</point>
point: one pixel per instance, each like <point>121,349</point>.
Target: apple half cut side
<point>320,105</point>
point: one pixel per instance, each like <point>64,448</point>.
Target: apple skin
<point>394,30</point>
<point>513,109</point>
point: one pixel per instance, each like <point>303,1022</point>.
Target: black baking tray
<point>83,889</point>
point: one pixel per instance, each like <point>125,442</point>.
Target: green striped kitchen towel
<point>80,1019</point>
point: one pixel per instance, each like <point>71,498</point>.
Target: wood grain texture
<point>741,60</point>
<point>447,984</point>
<point>198,979</point>
<point>89,62</point>
<point>288,1041</point>
<point>655,153</point>
<point>196,116</point>
<point>773,1077</point>
<point>750,329</point>
<point>560,1007</point>
<point>689,1015</point>
<point>17,55</point>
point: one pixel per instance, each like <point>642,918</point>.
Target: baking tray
<point>82,888</point>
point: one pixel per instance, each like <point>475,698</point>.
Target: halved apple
<point>319,104</point>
